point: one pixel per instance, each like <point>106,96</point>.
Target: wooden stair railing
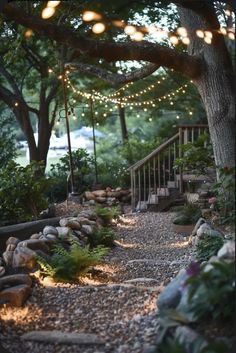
<point>154,177</point>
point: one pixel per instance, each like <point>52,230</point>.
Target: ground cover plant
<point>188,214</point>
<point>103,236</point>
<point>207,247</point>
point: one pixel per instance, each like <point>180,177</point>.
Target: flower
<point>226,168</point>
<point>212,200</point>
<point>193,269</point>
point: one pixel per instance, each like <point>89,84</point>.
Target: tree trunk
<point>124,131</point>
<point>216,87</point>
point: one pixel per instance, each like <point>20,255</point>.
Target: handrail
<point>153,153</point>
<point>192,126</point>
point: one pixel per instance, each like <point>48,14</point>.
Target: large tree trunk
<point>216,87</point>
<point>124,131</point>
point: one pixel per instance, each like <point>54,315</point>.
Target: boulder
<point>35,236</point>
<point>87,214</point>
<point>34,244</point>
<point>83,220</point>
<point>24,257</point>
<point>14,280</point>
<point>227,252</point>
<point>101,199</point>
<point>206,229</point>
<point>198,224</point>
<point>51,238</point>
<point>89,196</point>
<point>11,247</point>
<point>63,232</point>
<point>50,230</point>
<point>87,229</point>
<point>73,224</point>
<point>188,338</point>
<point>16,296</point>
<point>100,193</point>
<point>171,295</point>
<point>7,257</point>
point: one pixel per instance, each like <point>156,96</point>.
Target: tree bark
<point>124,131</point>
<point>216,87</point>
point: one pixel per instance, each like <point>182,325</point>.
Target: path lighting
<point>98,28</point>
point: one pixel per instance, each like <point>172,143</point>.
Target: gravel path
<point>117,302</point>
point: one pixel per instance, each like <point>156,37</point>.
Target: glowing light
<point>96,113</point>
<point>177,116</point>
<point>97,124</point>
<point>118,23</point>
<point>208,34</point>
<point>159,34</point>
<point>227,12</point>
<point>207,40</point>
<point>91,16</point>
<point>182,31</point>
<point>48,12</point>
<point>138,36</point>
<point>53,3</point>
<point>231,35</point>
<point>138,116</point>
<point>150,119</point>
<point>104,114</point>
<point>60,77</point>
<point>174,40</point>
<point>200,33</point>
<point>28,33</point>
<point>58,122</point>
<point>98,28</point>
<point>186,40</point>
<point>151,29</point>
<point>171,103</point>
<point>82,114</point>
<point>74,117</point>
<point>130,30</point>
<point>50,71</point>
<point>16,104</point>
<point>223,31</point>
<point>190,113</point>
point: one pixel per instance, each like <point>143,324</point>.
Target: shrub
<point>211,292</point>
<point>83,167</point>
<point>106,214</point>
<point>103,236</point>
<point>207,247</point>
<point>189,214</point>
<point>7,142</point>
<point>22,192</point>
<point>70,264</point>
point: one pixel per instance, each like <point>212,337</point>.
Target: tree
<point>209,66</point>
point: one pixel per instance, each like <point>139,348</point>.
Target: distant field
<point>22,160</point>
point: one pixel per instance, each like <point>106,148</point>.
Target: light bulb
<point>200,33</point>
<point>48,12</point>
<point>90,16</point>
<point>186,40</point>
<point>138,36</point>
<point>182,31</point>
<point>53,3</point>
<point>129,30</point>
<point>98,28</point>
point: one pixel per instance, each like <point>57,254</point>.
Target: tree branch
<point>53,91</point>
<point>186,64</point>
<point>10,79</point>
<point>110,77</point>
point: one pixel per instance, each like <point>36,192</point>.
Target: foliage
<point>197,156</point>
<point>70,264</point>
<point>106,214</point>
<point>225,193</point>
<point>103,236</point>
<point>207,247</point>
<point>211,292</point>
<point>83,166</point>
<point>7,142</point>
<point>189,214</point>
<point>22,191</point>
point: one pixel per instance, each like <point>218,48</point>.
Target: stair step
<point>142,205</point>
<point>163,192</point>
<point>152,199</point>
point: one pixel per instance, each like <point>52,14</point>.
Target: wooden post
<point>180,155</point>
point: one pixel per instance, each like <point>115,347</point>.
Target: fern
<point>45,267</point>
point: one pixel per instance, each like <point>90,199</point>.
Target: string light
<point>91,16</point>
<point>16,104</point>
<point>28,33</point>
<point>129,30</point>
<point>53,3</point>
<point>137,36</point>
<point>98,28</point>
<point>48,12</point>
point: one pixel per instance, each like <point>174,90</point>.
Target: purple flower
<point>212,200</point>
<point>193,269</point>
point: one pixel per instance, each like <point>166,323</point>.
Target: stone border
<point>24,230</point>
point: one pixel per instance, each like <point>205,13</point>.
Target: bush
<point>103,236</point>
<point>70,264</point>
<point>83,167</point>
<point>7,142</point>
<point>189,214</point>
<point>207,247</point>
<point>22,192</point>
<point>106,214</point>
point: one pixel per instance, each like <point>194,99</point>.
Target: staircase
<point>155,185</point>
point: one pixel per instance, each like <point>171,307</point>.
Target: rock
<point>91,202</point>
<point>63,222</point>
<point>99,193</point>
<point>50,230</point>
<point>206,229</point>
<point>16,296</point>
<point>171,295</point>
<point>11,247</point>
<point>34,244</point>
<point>114,194</point>
<point>12,240</point>
<point>74,224</point>
<point>227,251</point>
<point>83,220</point>
<point>7,257</point>
<point>87,214</point>
<point>2,271</point>
<point>60,337</point>
<point>63,232</point>
<point>142,280</point>
<point>14,280</point>
<point>87,229</point>
<point>1,261</point>
<point>188,337</point>
<point>101,199</point>
<point>35,236</point>
<point>89,196</point>
<point>198,224</point>
<point>24,257</point>
<point>52,238</point>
